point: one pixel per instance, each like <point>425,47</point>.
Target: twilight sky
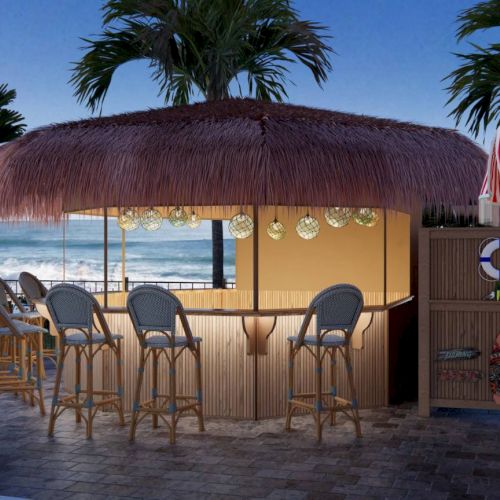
<point>391,57</point>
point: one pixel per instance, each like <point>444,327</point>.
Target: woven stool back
<point>337,308</point>
<point>154,309</point>
<point>6,292</point>
<point>72,307</point>
<point>32,287</point>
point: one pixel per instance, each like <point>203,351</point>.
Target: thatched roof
<point>236,152</point>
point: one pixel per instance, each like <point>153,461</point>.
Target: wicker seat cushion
<point>82,339</point>
<point>327,341</point>
<point>22,327</point>
<point>26,315</point>
<point>161,341</point>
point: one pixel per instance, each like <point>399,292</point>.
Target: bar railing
<point>97,286</point>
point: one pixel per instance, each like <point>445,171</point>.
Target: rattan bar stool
<point>17,364</point>
<point>337,310</point>
<point>81,325</point>
<point>33,289</point>
<point>23,313</point>
<point>153,311</point>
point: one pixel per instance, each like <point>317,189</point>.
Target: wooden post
<point>105,257</point>
<point>386,319</point>
<point>64,246</point>
<point>255,258</point>
<point>423,323</point>
<point>385,256</point>
<point>124,249</point>
<point>256,307</point>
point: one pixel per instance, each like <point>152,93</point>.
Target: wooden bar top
<point>262,312</point>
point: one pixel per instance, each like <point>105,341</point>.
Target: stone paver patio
<point>454,454</point>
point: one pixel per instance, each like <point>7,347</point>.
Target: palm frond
<point>6,96</point>
<point>11,122</point>
<point>483,15</point>
<point>475,86</point>
<point>203,44</point>
<point>92,75</point>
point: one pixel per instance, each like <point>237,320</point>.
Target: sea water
<point>168,254</point>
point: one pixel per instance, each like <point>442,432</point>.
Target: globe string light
<point>129,219</point>
<point>177,217</point>
<point>151,219</point>
<point>338,216</point>
<point>194,220</point>
<point>276,230</point>
<point>367,217</point>
<point>241,226</point>
<point>307,227</point>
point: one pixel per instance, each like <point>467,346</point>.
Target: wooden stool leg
<point>154,389</point>
<point>119,379</point>
<point>333,385</point>
<point>57,348</point>
<point>89,400</point>
<point>172,400</point>
<point>289,406</point>
<point>29,367</point>
<point>40,372</point>
<point>350,378</point>
<point>137,397</point>
<point>78,382</point>
<point>199,390</point>
<point>39,322</point>
<point>318,405</point>
<point>55,397</point>
<point>14,352</point>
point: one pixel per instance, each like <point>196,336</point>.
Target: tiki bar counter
<point>314,198</point>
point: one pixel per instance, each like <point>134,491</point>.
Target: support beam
<point>124,256</point>
<point>385,257</point>
<point>255,258</point>
<point>256,307</point>
<point>105,257</point>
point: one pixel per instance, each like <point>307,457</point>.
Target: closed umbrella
<point>490,190</point>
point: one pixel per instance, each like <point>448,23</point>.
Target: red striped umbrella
<point>491,184</point>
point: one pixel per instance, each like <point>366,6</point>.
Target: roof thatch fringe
<point>236,152</point>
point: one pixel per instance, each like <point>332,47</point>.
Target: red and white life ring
<point>485,258</point>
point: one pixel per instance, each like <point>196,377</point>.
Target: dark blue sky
<point>391,57</point>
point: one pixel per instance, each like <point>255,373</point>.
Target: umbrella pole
<point>105,257</point>
<point>256,308</point>
<point>124,250</point>
<point>385,257</point>
<point>255,258</point>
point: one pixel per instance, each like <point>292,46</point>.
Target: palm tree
<point>203,48</point>
<point>11,122</point>
<point>475,85</point>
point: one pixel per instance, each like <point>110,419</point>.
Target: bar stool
<point>21,339</point>
<point>73,308</point>
<point>337,310</point>
<point>153,310</point>
<point>33,289</point>
<point>22,313</point>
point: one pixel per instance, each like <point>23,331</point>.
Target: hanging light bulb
<point>151,219</point>
<point>276,230</point>
<point>307,227</point>
<point>241,226</point>
<point>366,217</point>
<point>338,216</point>
<point>194,220</point>
<point>129,219</point>
<point>177,217</point>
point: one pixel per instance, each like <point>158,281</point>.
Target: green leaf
<point>11,122</point>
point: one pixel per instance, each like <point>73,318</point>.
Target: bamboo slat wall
<point>453,314</point>
<point>231,387</point>
<point>242,299</point>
